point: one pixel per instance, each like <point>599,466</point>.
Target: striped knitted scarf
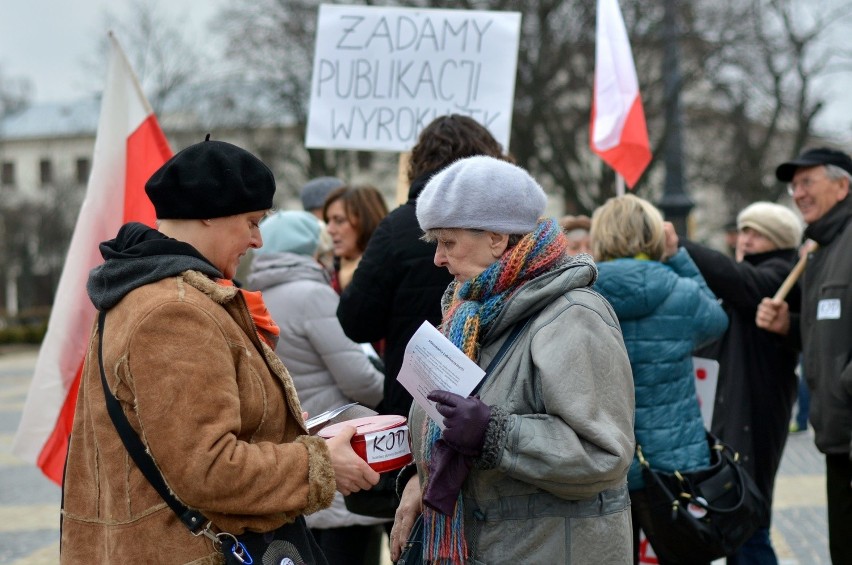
<point>475,305</point>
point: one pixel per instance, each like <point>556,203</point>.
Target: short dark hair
<point>447,139</point>
<point>364,206</point>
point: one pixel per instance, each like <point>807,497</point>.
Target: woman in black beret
<point>189,358</point>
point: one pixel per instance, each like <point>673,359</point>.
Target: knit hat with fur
<point>482,193</point>
<point>776,222</point>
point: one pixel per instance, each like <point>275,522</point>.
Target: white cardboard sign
<point>381,74</point>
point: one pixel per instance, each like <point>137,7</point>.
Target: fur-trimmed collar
<point>218,293</point>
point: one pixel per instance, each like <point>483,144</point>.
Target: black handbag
<point>412,553</point>
<point>292,541</point>
<point>702,515</point>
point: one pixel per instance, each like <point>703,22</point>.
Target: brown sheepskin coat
<point>217,410</point>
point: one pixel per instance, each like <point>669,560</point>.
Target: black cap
<point>812,158</point>
<point>211,179</point>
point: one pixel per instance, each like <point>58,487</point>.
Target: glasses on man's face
<point>805,183</point>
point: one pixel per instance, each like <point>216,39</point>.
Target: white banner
<point>382,74</point>
<point>706,378</point>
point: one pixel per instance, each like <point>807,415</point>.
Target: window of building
<point>7,173</point>
<point>83,169</point>
<point>45,168</point>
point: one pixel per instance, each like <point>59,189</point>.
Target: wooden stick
<point>794,275</point>
<point>402,183</point>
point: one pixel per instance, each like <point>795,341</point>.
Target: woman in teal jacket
<point>666,310</point>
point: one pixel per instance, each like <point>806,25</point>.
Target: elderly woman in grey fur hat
<point>532,469</point>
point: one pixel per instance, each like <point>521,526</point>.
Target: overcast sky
<point>47,41</point>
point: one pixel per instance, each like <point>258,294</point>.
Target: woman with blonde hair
<point>666,311</point>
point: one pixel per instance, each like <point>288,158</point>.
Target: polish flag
<point>129,147</point>
<point>619,135</point>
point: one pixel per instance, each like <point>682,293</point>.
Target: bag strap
<point>507,345</point>
<point>192,519</point>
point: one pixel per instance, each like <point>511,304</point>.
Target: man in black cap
<point>819,184</point>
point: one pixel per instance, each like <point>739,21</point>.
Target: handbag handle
<point>718,446</point>
<point>740,480</point>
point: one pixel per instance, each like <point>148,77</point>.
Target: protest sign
<point>381,74</point>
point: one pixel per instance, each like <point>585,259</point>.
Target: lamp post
<point>675,202</point>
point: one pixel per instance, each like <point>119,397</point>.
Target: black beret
<point>211,179</point>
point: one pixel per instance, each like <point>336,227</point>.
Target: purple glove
<point>465,420</point>
<point>448,469</point>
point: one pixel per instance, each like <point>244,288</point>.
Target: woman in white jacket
<point>328,369</point>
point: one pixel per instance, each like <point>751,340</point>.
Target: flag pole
<point>619,184</point>
<point>129,147</point>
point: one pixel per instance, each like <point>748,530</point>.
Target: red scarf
<point>266,328</point>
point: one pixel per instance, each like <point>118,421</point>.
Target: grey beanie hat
<point>482,193</point>
<point>314,191</point>
<point>778,223</point>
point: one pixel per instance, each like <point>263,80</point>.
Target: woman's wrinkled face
<point>466,253</point>
<point>231,237</point>
<point>751,241</point>
<point>344,238</point>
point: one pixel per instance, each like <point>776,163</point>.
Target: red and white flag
<point>619,134</point>
<point>129,147</point>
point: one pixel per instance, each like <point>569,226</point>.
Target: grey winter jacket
<point>551,487</point>
<point>328,369</point>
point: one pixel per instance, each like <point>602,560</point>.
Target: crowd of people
<point>586,328</point>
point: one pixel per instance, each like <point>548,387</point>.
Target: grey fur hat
<point>314,191</point>
<point>778,223</point>
<point>482,193</point>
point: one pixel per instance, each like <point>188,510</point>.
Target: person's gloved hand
<point>448,469</point>
<point>465,420</point>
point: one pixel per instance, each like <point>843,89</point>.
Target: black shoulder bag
<point>701,515</point>
<point>291,541</point>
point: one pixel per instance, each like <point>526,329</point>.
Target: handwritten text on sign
<point>387,444</point>
<point>382,74</point>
